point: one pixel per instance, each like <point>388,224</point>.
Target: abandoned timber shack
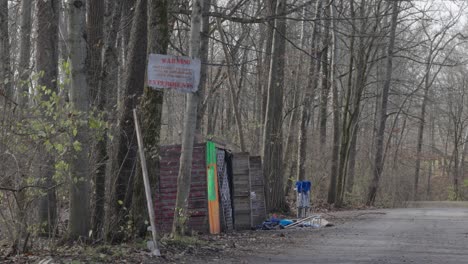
<point>226,192</point>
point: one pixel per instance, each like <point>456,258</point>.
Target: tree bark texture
<point>325,91</point>
<point>336,110</point>
<point>106,85</point>
<point>79,223</point>
<point>205,39</point>
<point>181,213</point>
<point>47,66</point>
<point>290,152</point>
<point>25,53</point>
<point>5,67</point>
<point>273,135</point>
<point>309,94</point>
<point>151,113</point>
<point>271,11</point>
<point>95,38</point>
<point>124,167</point>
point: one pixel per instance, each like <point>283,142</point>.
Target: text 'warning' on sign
<point>173,72</point>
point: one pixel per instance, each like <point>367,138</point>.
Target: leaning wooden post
<point>149,201</point>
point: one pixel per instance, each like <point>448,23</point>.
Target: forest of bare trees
<point>367,99</point>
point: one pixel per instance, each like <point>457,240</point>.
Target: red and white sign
<point>173,72</point>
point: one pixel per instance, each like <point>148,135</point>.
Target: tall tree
<point>336,107</point>
<point>205,39</point>
<point>126,157</point>
<point>437,44</point>
<point>290,152</point>
<point>270,11</point>
<point>273,127</point>
<point>5,70</point>
<point>151,112</point>
<point>232,86</point>
<point>379,145</point>
<point>47,66</point>
<point>106,86</point>
<point>325,91</point>
<point>353,99</point>
<point>25,52</point>
<point>188,134</point>
<point>95,38</point>
<point>309,95</point>
<point>79,223</point>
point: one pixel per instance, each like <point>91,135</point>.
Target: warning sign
<point>173,72</point>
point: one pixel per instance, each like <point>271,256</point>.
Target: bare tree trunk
<point>325,91</point>
<point>47,63</point>
<point>63,48</point>
<point>260,67</point>
<point>309,94</point>
<point>271,11</point>
<point>273,135</point>
<point>352,108</point>
<point>463,159</point>
<point>456,167</point>
<point>22,98</point>
<point>290,155</point>
<point>106,84</point>
<point>127,15</point>
<point>232,86</point>
<point>429,177</point>
<point>336,110</point>
<point>124,165</point>
<point>379,152</point>
<point>205,39</point>
<point>151,114</point>
<point>290,152</point>
<point>5,67</point>
<point>190,120</point>
<point>421,127</point>
<point>25,52</point>
<point>95,38</point>
<point>352,161</point>
<point>79,224</point>
<point>350,181</point>
<point>335,191</point>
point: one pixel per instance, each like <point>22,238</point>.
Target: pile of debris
<point>314,221</point>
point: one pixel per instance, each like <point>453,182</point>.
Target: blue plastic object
<point>285,222</point>
<point>303,186</point>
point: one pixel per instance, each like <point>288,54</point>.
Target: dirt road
<point>425,235</point>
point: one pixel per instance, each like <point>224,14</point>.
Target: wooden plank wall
<point>258,191</point>
<point>241,182</point>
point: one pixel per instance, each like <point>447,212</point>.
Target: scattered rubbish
<point>48,260</point>
<point>315,221</point>
<point>304,220</point>
<point>285,222</point>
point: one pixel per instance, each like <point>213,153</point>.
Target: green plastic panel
<point>211,166</point>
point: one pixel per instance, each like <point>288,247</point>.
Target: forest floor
<point>226,248</point>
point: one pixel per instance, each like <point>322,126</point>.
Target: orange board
<point>212,180</point>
